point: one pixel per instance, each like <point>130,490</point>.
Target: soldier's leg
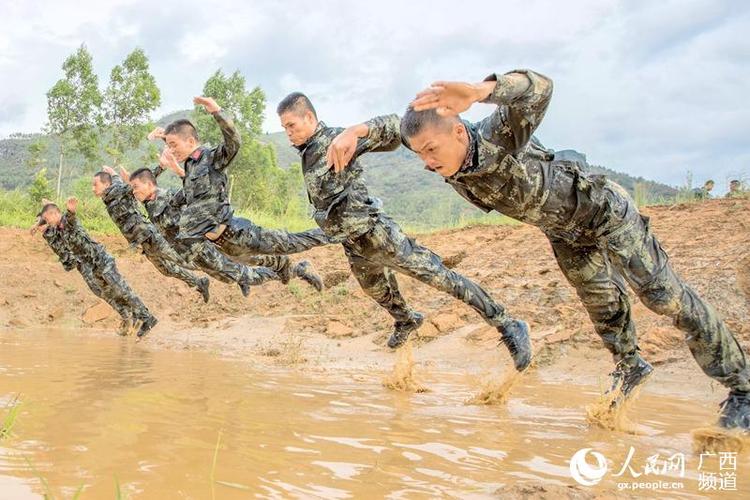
<point>117,289</point>
<point>380,284</point>
<point>643,262</point>
<point>247,236</point>
<point>218,265</point>
<point>388,245</point>
<point>153,251</point>
<point>98,286</point>
<point>280,264</point>
<point>602,292</point>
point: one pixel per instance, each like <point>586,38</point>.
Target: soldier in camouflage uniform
<point>75,249</point>
<point>598,236</point>
<point>735,190</point>
<point>164,207</point>
<point>122,207</point>
<point>207,212</point>
<point>373,242</point>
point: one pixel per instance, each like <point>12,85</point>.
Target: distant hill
<point>410,194</point>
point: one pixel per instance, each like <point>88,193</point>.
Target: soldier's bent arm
<point>383,134</point>
<point>226,152</point>
<point>522,97</point>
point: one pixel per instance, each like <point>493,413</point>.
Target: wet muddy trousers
<point>385,248</point>
<point>633,255</point>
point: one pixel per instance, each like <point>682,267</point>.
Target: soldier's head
<point>51,214</point>
<point>709,185</point>
<point>143,183</point>
<point>181,138</point>
<point>440,141</point>
<point>734,185</point>
<point>298,117</point>
<point>100,183</point>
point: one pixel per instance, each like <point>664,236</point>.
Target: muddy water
<point>98,408</point>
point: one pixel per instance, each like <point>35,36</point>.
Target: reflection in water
<point>96,408</point>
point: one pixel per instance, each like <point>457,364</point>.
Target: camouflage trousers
<point>632,254</point>
<point>105,282</point>
<point>374,256</point>
<point>255,246</point>
<point>210,260</point>
<point>165,258</point>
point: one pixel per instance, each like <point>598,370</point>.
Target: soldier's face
<point>181,147</point>
<point>98,187</point>
<point>442,150</point>
<point>142,190</point>
<point>52,216</point>
<point>298,128</point>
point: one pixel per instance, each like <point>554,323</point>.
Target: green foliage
<point>40,188</point>
<point>130,97</point>
<point>12,408</point>
<point>73,107</point>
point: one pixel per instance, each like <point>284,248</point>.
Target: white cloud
<point>653,89</point>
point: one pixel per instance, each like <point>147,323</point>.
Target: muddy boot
<point>304,271</point>
<point>515,335</point>
<point>735,411</point>
<point>146,326</point>
<point>630,372</point>
<point>403,329</point>
<point>202,286</point>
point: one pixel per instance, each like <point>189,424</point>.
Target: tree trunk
<point>59,172</point>
<point>231,187</point>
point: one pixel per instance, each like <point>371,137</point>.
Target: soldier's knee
<point>662,298</point>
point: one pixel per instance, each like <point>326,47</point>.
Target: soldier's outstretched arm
<point>381,133</point>
<point>226,152</point>
<point>522,97</point>
<point>121,186</point>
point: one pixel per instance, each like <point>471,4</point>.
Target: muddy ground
<point>293,325</point>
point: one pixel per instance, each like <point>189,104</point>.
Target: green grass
<point>11,415</point>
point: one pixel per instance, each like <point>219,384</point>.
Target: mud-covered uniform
<point>599,238</point>
<point>207,205</point>
<point>164,211</point>
<point>76,250</point>
<point>373,242</point>
<point>123,209</point>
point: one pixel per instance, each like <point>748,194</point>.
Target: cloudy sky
<point>650,88</point>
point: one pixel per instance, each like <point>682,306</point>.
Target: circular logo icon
<point>585,473</point>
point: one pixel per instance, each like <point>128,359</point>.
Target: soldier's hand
<point>124,174</point>
<point>157,133</point>
<point>208,103</point>
<point>167,160</point>
<point>72,204</point>
<point>38,226</point>
<point>109,170</point>
<point>341,150</point>
<point>45,202</point>
<point>447,98</point>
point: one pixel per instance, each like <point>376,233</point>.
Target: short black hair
<point>182,127</point>
<point>46,207</point>
<point>413,122</point>
<point>143,174</point>
<point>296,102</point>
<point>734,181</point>
<point>104,177</point>
<point>710,181</point>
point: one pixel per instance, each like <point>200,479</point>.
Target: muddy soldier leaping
<point>598,236</point>
<point>77,250</point>
<point>207,213</point>
<point>373,242</point>
<point>117,196</point>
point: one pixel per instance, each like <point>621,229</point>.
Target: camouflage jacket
<point>343,207</point>
<point>80,244</point>
<point>508,170</point>
<point>124,211</point>
<point>164,211</point>
<point>54,238</point>
<point>205,184</point>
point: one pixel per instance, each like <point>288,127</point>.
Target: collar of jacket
<point>158,204</point>
<point>318,130</point>
<point>196,155</point>
<point>472,153</point>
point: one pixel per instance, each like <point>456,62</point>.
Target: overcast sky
<point>649,88</point>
